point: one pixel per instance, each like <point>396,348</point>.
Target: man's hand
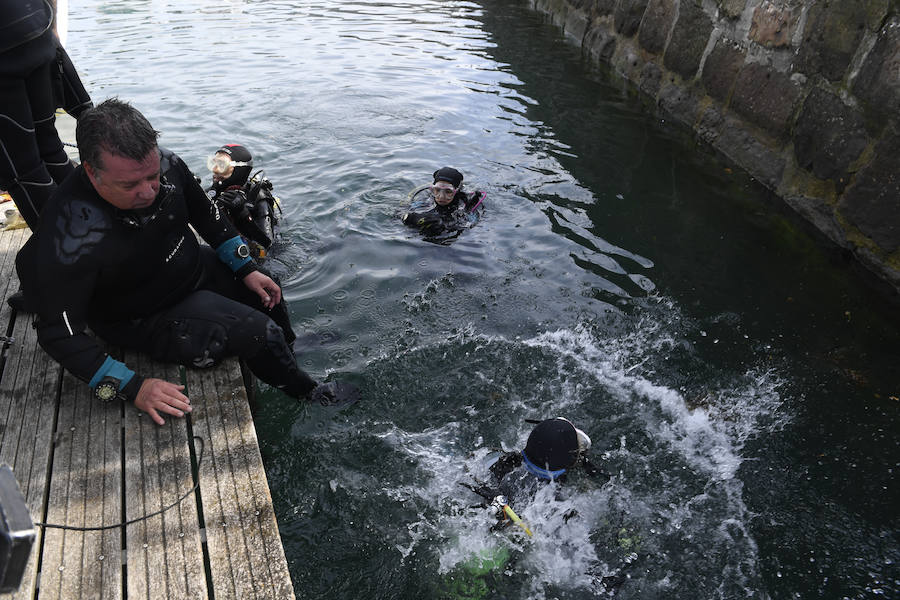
<point>157,395</point>
<point>267,290</point>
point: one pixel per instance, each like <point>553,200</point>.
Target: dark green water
<point>738,379</point>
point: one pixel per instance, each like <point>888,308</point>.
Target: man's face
<point>126,183</point>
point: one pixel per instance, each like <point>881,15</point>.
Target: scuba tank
<point>262,211</point>
<point>252,210</point>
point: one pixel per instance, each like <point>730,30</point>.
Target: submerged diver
<point>555,449</point>
<point>116,253</point>
<point>247,200</point>
<point>442,210</point>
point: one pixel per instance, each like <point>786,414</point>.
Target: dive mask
<point>221,165</point>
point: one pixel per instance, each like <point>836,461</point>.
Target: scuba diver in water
<point>247,200</point>
<point>555,449</point>
<point>442,210</point>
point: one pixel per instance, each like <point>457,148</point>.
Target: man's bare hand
<point>157,395</point>
<point>264,287</point>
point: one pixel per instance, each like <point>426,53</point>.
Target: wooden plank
<point>102,562</point>
<point>217,491</point>
<point>164,552</point>
<point>264,544</point>
<point>85,491</point>
<point>241,528</point>
<point>10,243</point>
<point>28,401</point>
<point>186,574</point>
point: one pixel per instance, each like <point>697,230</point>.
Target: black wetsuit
<point>436,220</point>
<point>251,208</point>
<point>36,76</point>
<point>142,281</point>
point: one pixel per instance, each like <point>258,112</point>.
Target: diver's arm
<point>475,201</point>
<point>263,286</point>
<point>211,223</point>
<point>62,297</point>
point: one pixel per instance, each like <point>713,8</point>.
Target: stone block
<point>746,150</point>
<point>828,136</point>
<point>834,29</point>
<point>878,82</point>
<point>710,124</point>
<point>765,97</point>
<point>732,8</point>
<point>656,24</point>
<point>773,24</point>
<point>650,79</point>
<point>599,44</point>
<point>689,38</point>
<point>820,214</point>
<point>678,103</point>
<point>576,25</point>
<point>721,68</point>
<point>629,63</point>
<point>628,15</point>
<point>872,201</point>
<point>604,7</point>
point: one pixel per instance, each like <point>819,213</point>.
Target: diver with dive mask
<point>247,200</point>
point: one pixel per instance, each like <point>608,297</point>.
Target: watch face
<point>106,392</point>
<point>243,251</point>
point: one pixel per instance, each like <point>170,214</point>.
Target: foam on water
<point>671,519</point>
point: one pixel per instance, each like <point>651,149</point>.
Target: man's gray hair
<point>116,127</point>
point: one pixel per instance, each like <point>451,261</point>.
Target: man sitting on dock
<point>116,253</point>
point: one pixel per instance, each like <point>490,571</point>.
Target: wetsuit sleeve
<point>213,225</point>
<point>475,201</point>
<point>60,285</point>
<point>429,223</point>
<point>70,93</point>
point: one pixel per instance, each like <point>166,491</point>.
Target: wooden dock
<point>82,463</point>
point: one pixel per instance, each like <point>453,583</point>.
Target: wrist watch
<point>108,389</point>
<point>242,251</point>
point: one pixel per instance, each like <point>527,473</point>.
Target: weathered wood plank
<point>104,548</point>
<point>10,242</point>
<point>161,562</point>
<point>258,524</point>
<point>186,574</point>
<point>236,534</point>
<point>85,491</point>
<point>28,401</point>
<point>216,489</point>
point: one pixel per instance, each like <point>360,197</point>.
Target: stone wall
<point>802,94</point>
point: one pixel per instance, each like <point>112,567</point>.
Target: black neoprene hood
<point>553,445</point>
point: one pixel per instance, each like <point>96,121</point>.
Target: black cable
<point>196,471</point>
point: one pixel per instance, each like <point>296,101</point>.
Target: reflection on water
<point>733,376</point>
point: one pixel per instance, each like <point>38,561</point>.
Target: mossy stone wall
<point>802,94</point>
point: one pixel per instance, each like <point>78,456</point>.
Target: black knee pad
<point>201,344</point>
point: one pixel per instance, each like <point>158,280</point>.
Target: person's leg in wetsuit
<point>208,326</point>
<point>32,158</point>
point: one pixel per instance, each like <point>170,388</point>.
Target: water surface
<point>738,378</point>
